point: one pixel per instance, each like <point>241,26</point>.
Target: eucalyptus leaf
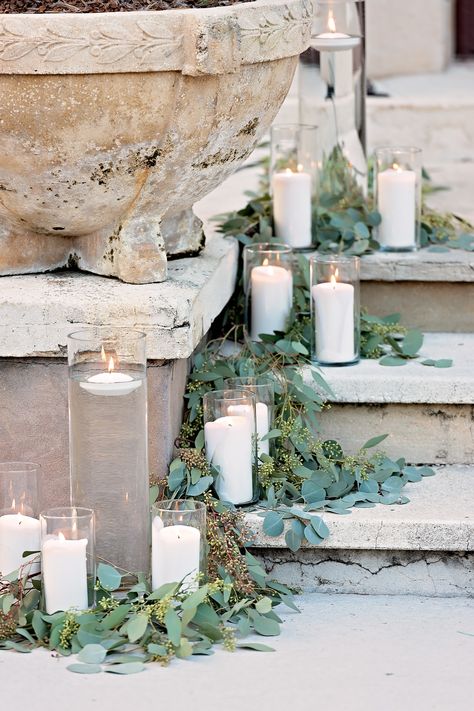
<point>85,668</point>
<point>92,654</point>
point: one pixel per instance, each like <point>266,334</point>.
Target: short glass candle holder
<point>397,184</point>
<point>108,437</point>
<point>294,180</point>
<point>68,558</point>
<point>19,524</point>
<point>263,388</point>
<point>231,443</point>
<point>268,287</point>
<point>179,543</point>
<point>335,309</point>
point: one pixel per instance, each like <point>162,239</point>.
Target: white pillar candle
<point>292,208</point>
<point>263,422</point>
<point>334,310</point>
<point>64,570</point>
<point>396,202</point>
<point>176,553</point>
<point>229,447</point>
<point>18,534</point>
<point>271,298</point>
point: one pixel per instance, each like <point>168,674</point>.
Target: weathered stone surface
<point>373,572</point>
<point>38,311</point>
<point>90,170</point>
<point>421,36</point>
<point>439,517</point>
<point>423,434</point>
<point>440,267</point>
<point>434,112</point>
<point>431,306</point>
<point>34,418</point>
<point>370,382</point>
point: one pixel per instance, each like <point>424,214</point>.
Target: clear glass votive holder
<point>397,185</point>
<point>335,309</point>
<point>179,543</point>
<point>68,558</point>
<point>268,287</point>
<point>108,438</point>
<point>263,388</point>
<point>230,433</point>
<point>336,25</point>
<point>293,182</point>
<point>19,524</point>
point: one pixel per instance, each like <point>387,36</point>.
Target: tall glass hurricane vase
<point>108,438</point>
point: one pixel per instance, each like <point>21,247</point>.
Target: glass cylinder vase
<point>179,547</point>
<point>332,91</point>
<point>397,184</point>
<point>68,558</point>
<point>263,388</point>
<point>231,443</point>
<point>19,525</point>
<point>335,309</point>
<point>108,438</point>
<point>268,287</point>
<point>294,172</point>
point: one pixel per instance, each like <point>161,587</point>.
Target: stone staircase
<point>426,546</point>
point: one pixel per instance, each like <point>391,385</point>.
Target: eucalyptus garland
<point>301,478</point>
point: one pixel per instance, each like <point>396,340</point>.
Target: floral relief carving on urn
<point>113,124</point>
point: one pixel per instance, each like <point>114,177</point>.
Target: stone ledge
<point>439,517</point>
<point>370,382</point>
<point>38,311</point>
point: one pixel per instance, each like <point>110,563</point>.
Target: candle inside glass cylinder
<point>396,202</point>
<point>292,207</point>
<point>110,383</point>
<point>64,570</point>
<point>271,299</point>
<point>176,554</point>
<point>18,533</point>
<point>263,422</point>
<point>334,322</point>
<point>229,447</point>
<point>332,40</point>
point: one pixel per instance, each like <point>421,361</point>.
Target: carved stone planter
<point>113,125</point>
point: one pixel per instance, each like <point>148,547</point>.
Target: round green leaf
<point>273,524</point>
<point>92,654</point>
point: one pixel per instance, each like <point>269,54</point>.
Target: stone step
<point>427,411</point>
<point>424,547</point>
<point>432,111</point>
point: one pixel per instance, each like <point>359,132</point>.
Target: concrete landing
<point>342,653</point>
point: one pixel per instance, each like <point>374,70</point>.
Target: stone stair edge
<point>439,517</point>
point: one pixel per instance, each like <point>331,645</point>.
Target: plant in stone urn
<point>115,123</point>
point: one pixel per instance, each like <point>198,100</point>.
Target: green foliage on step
<point>344,220</point>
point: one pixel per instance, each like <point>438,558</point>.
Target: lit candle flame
<point>265,262</point>
<point>396,167</point>
<point>299,168</point>
<point>331,22</point>
<point>74,523</point>
<point>61,536</point>
<point>333,280</point>
<point>111,366</point>
<point>288,171</point>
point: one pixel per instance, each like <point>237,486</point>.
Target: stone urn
<point>112,125</point>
